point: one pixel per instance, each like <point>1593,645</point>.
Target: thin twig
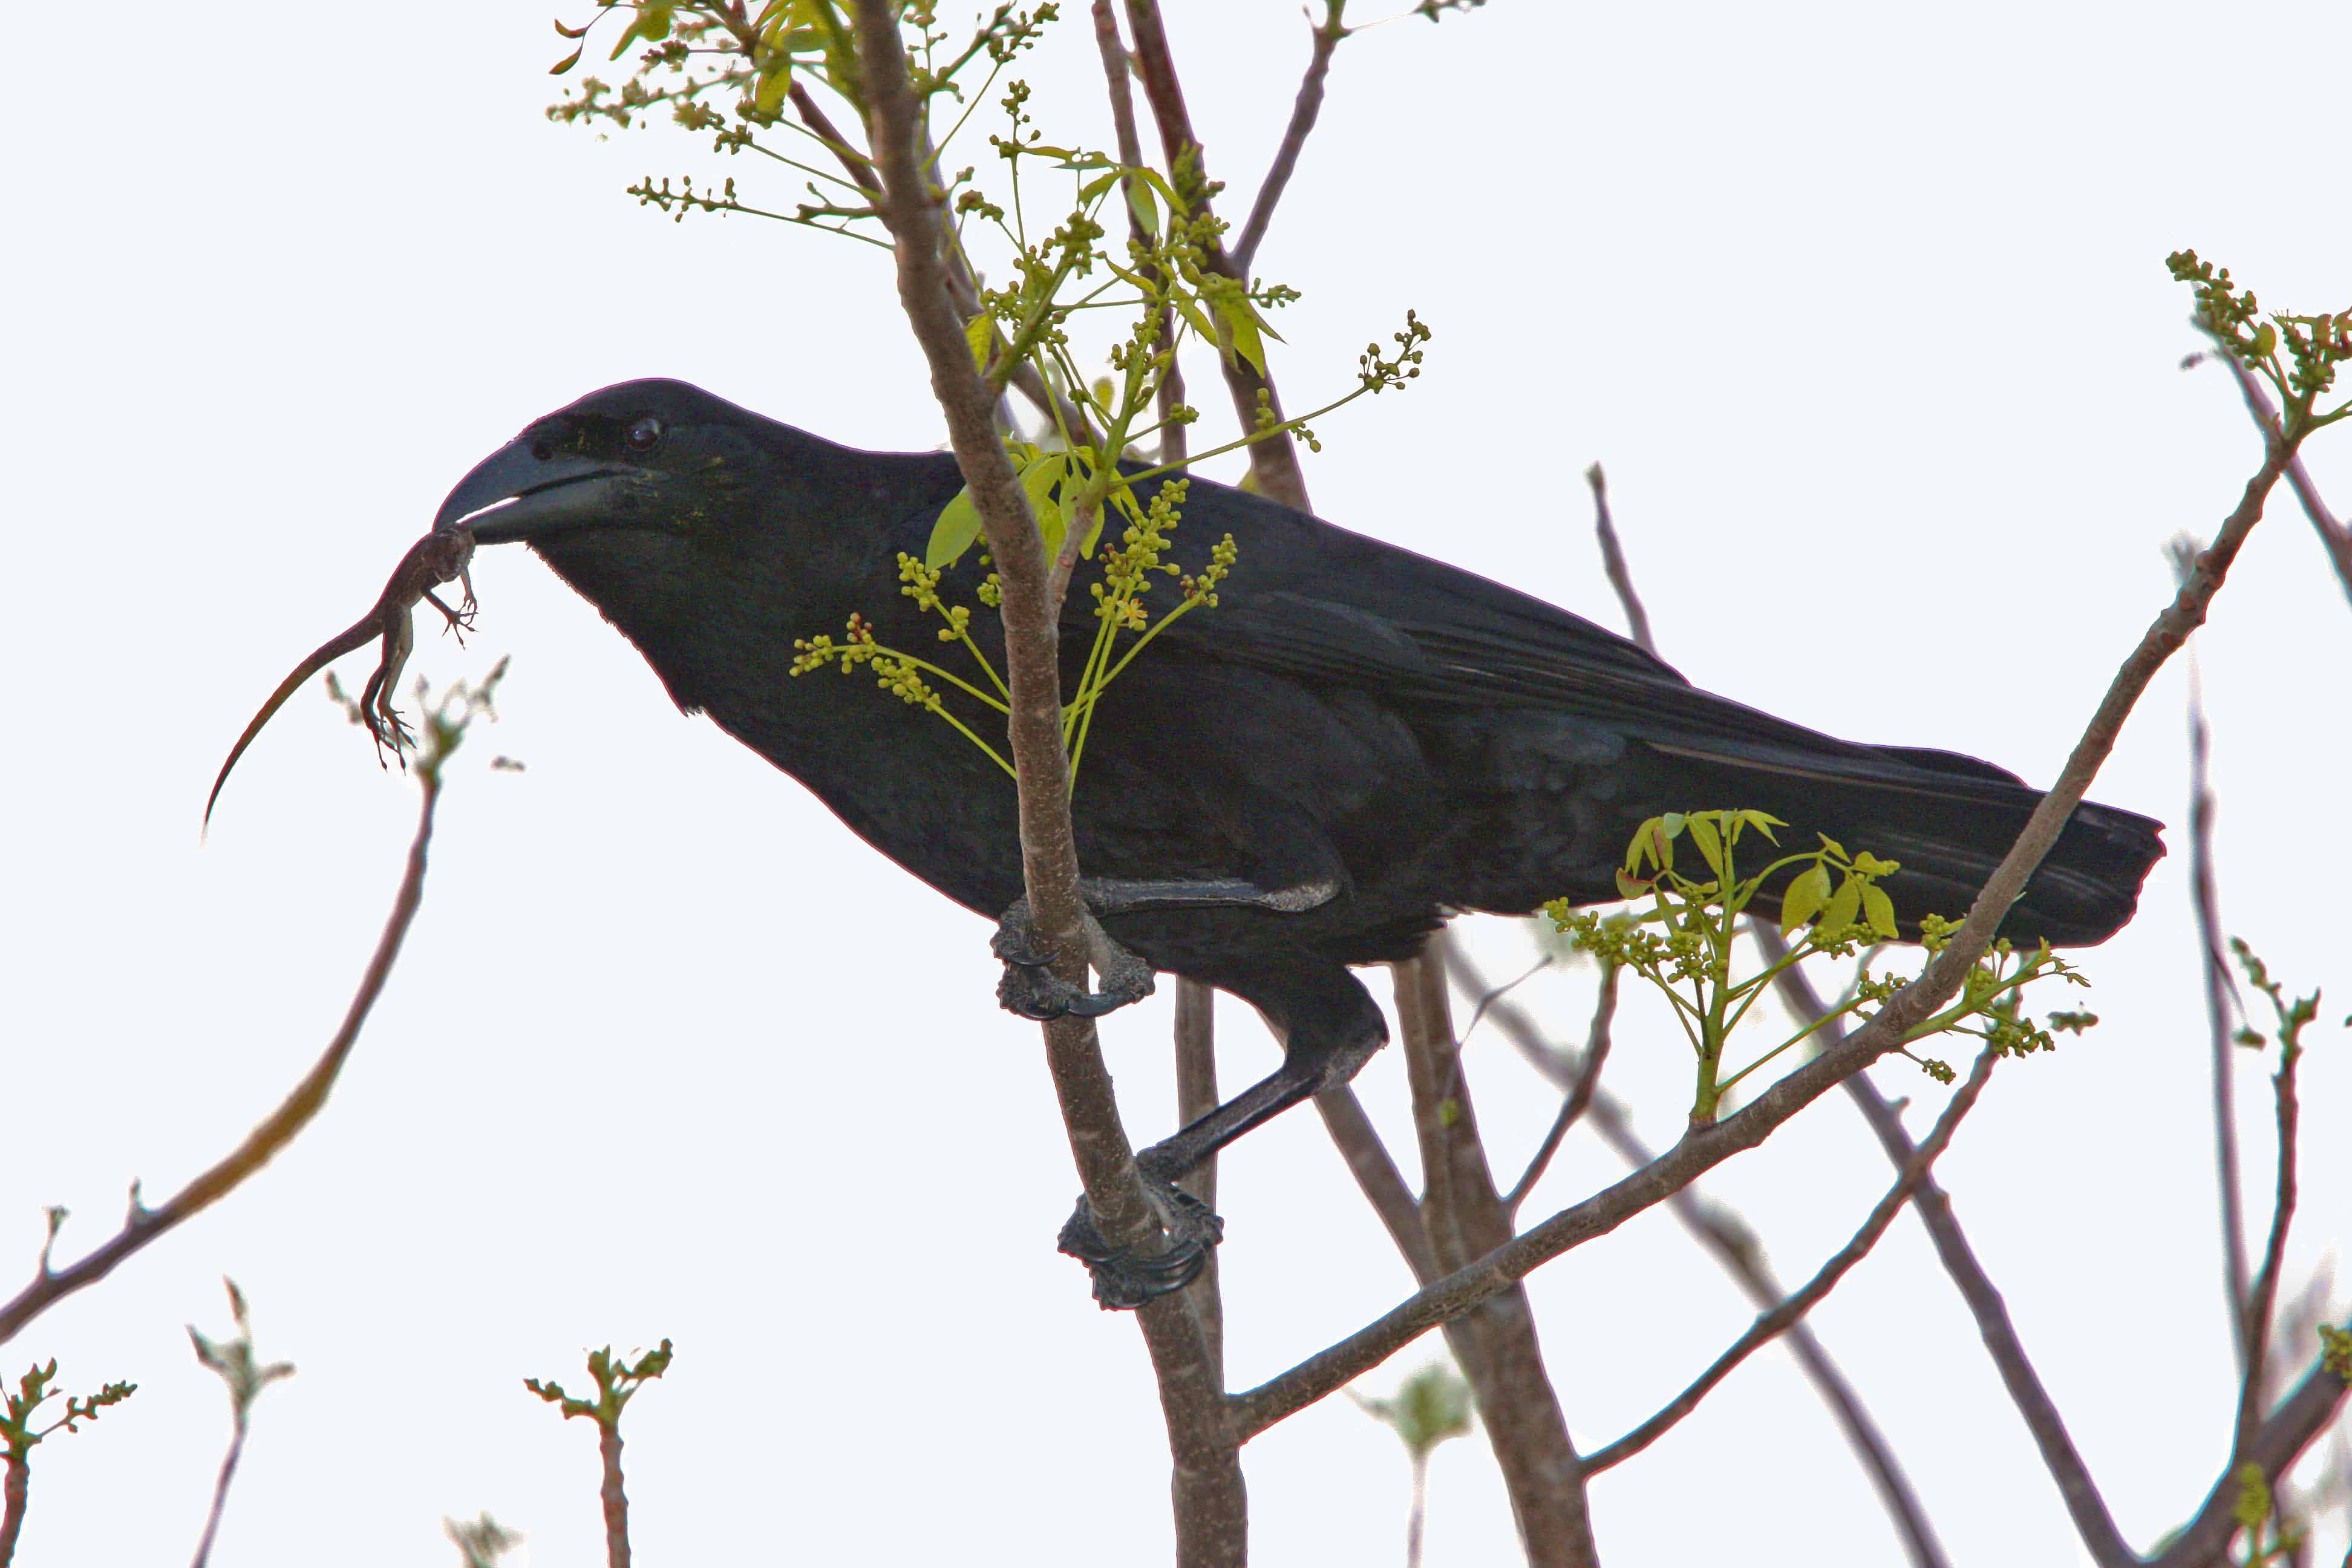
<point>2333,537</point>
<point>1580,1099</point>
<point>2206,897</point>
<point>220,1492</point>
<point>2085,1504</point>
<point>1196,1096</point>
<point>1303,110</point>
<point>1273,462</point>
<point>2264,1294</point>
<point>143,1225</point>
<point>1612,561</point>
<point>1728,1239</point>
<point>1705,1148</point>
<point>1768,1327</point>
<point>613,1494</point>
<point>1210,1510</point>
<point>1377,1176</point>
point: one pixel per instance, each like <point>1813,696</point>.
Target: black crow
<point>1310,777</point>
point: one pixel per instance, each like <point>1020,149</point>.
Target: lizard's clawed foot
<point>1030,990</point>
<point>1125,1280</point>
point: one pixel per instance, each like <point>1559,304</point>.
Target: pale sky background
<point>1864,308</point>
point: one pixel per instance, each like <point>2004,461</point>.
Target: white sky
<point>1864,308</point>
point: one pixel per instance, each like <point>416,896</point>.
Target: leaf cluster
<point>19,1427</point>
<point>1430,1407</point>
<point>617,1380</point>
<point>234,1358</point>
<point>2298,355</point>
<point>1681,935</point>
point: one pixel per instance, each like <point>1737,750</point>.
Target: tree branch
<point>144,1224</point>
<point>1464,1216</point>
<point>1612,561</point>
<point>1376,1174</point>
<point>1210,1510</point>
<point>2277,1444</point>
<point>1732,1244</point>
<point>1580,1099</point>
<point>2206,897</point>
<point>1303,110</point>
<point>2333,537</point>
<point>1769,1326</point>
<point>1274,460</point>
<point>1705,1148</point>
<point>2264,1296</point>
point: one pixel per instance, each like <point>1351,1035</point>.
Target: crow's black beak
<point>518,493</point>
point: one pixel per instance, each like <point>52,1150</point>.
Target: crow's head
<point>644,455</point>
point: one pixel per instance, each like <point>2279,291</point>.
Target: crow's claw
<point>1029,990</point>
<point>1125,1280</point>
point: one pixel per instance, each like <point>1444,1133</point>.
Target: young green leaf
<point>1708,843</point>
<point>958,526</point>
<point>1805,897</point>
<point>1879,909</point>
<point>980,332</point>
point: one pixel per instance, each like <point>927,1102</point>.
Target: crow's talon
<point>1125,1280</point>
<point>1029,990</point>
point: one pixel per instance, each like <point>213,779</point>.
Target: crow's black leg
<point>1328,1038</point>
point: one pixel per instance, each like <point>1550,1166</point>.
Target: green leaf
<point>1240,334</point>
<point>1138,202</point>
<point>958,526</point>
<point>775,81</point>
<point>568,61</point>
<point>1806,895</point>
<point>1096,187</point>
<point>579,32</point>
<point>2265,340</point>
<point>1879,909</point>
<point>1709,842</point>
<point>981,333</point>
<point>1843,904</point>
<point>1039,479</point>
<point>1190,309</point>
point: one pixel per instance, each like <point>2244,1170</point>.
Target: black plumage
<point>1421,738</point>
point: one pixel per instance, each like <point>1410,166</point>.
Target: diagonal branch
<point>1580,1099</point>
<point>2333,537</point>
<point>1770,1325</point>
<point>1612,561</point>
<point>144,1224</point>
<point>1705,1148</point>
<point>1211,1512</point>
<point>2276,1445</point>
<point>1303,110</point>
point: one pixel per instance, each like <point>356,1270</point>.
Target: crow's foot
<point>1030,990</point>
<point>1125,1280</point>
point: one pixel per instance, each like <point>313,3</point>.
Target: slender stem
<point>1580,1099</point>
<point>1196,1096</point>
<point>144,1224</point>
<point>16,1492</point>
<point>2264,1296</point>
<point>1770,1325</point>
<point>1303,110</point>
<point>613,1495</point>
<point>1612,561</point>
<point>2333,537</point>
<point>2300,1418</point>
<point>1415,1517</point>
<point>2207,899</point>
<point>220,1493</point>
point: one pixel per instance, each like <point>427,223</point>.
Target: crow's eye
<point>645,435</point>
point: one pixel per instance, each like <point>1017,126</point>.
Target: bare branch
<point>1376,1174</point>
<point>1580,1099</point>
<point>2207,899</point>
<point>144,1224</point>
<point>1115,63</point>
<point>1612,561</point>
<point>1211,1512</point>
<point>1308,104</point>
<point>1705,1148</point>
<point>2085,1504</point>
<point>1768,1327</point>
<point>2333,537</point>
<point>1274,460</point>
<point>2264,1294</point>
